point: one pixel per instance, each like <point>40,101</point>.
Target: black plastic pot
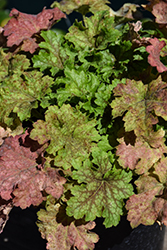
<point>123,237</point>
<point>21,233</point>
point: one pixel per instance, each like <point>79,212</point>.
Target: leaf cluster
<point>83,119</point>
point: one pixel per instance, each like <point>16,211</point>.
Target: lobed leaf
<point>82,6</point>
<point>140,101</point>
<point>149,205</point>
<point>140,157</point>
<point>78,83</point>
<point>102,190</point>
<point>10,64</point>
<point>142,206</point>
<point>62,232</point>
<point>22,28</point>
<point>21,178</point>
<point>103,95</point>
<point>22,94</point>
<point>102,61</point>
<point>103,144</point>
<point>4,64</point>
<point>158,9</point>
<point>96,33</point>
<point>154,54</point>
<point>70,133</point>
<point>52,55</point>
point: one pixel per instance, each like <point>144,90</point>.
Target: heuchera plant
<point>83,119</point>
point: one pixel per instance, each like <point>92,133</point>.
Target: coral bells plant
<point>83,119</point>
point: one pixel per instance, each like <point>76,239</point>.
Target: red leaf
<point>154,56</point>
<point>144,207</point>
<point>29,189</point>
<point>54,183</point>
<point>158,9</point>
<point>22,27</point>
<point>150,204</point>
<point>140,208</point>
<point>22,177</point>
<point>140,157</point>
<point>30,45</point>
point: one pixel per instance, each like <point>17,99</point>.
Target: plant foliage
<point>83,122</point>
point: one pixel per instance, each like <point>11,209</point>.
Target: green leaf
<point>12,64</point>
<point>122,50</point>
<point>18,64</point>
<point>150,29</point>
<point>78,83</point>
<point>103,96</point>
<point>89,89</point>
<point>141,102</point>
<point>82,6</point>
<point>21,91</point>
<point>139,53</point>
<point>97,33</point>
<point>102,61</point>
<point>4,64</point>
<point>52,55</point>
<point>70,132</point>
<point>103,144</point>
<point>102,190</point>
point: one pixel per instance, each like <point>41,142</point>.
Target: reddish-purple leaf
<point>154,54</point>
<point>141,104</point>
<point>54,182</point>
<point>23,27</point>
<point>140,157</point>
<point>63,232</point>
<point>158,9</point>
<point>29,191</point>
<point>142,207</point>
<point>71,236</point>
<point>161,170</point>
<point>29,188</point>
<point>161,202</point>
<point>22,177</point>
<point>150,204</point>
